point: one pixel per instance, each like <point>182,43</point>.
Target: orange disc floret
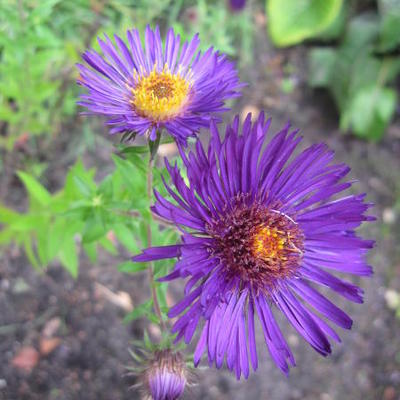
<point>160,95</point>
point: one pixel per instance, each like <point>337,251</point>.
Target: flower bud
<point>166,376</point>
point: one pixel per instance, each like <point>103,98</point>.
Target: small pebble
<point>293,340</point>
<point>392,298</point>
<point>389,216</point>
<point>254,110</point>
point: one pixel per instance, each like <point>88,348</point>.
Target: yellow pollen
<point>270,243</point>
<point>160,95</point>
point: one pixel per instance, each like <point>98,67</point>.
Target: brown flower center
<point>257,244</point>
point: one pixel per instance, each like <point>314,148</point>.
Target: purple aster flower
<point>260,232</point>
<point>143,90</point>
<point>165,376</point>
<point>237,5</point>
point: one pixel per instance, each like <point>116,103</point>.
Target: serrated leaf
<point>292,21</point>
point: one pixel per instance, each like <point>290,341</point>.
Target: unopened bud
<point>166,376</point>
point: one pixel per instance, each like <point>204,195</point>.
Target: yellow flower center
<point>270,243</point>
<point>160,95</point>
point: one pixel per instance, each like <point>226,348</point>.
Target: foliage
<point>36,62</point>
<point>292,21</point>
<point>389,24</point>
<point>230,33</point>
<point>357,73</point>
<point>85,214</point>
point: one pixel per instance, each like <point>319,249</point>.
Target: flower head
<point>260,232</point>
<point>237,5</point>
<point>146,89</point>
<point>165,376</point>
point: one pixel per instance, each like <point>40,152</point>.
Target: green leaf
<point>132,176</point>
<point>322,61</point>
<point>108,245</point>
<point>27,222</point>
<point>292,21</point>
<point>126,237</point>
<point>91,251</point>
<point>35,189</point>
<point>128,150</point>
<point>139,311</point>
<point>106,188</point>
<point>42,241</point>
<point>83,186</point>
<point>30,252</point>
<point>390,24</point>
<point>94,229</point>
<point>131,267</point>
<point>370,111</point>
<point>7,215</point>
<point>68,255</point>
<point>55,236</point>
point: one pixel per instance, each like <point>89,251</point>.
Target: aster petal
<point>158,253</point>
<point>321,303</point>
<point>301,320</point>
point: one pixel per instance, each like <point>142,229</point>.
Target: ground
<point>64,339</point>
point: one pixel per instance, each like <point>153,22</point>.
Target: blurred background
<point>70,304</point>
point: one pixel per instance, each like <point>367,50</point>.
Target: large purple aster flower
<point>143,90</point>
<point>260,231</point>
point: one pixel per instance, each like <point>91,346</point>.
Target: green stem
<point>150,269</point>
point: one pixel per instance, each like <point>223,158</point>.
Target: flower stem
<point>150,269</point>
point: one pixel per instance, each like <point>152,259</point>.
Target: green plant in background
<point>358,72</point>
<point>40,41</point>
<point>86,215</point>
<point>231,33</point>
<point>292,21</point>
<point>360,69</point>
<point>37,57</point>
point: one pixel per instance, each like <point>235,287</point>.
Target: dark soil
<point>89,360</point>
